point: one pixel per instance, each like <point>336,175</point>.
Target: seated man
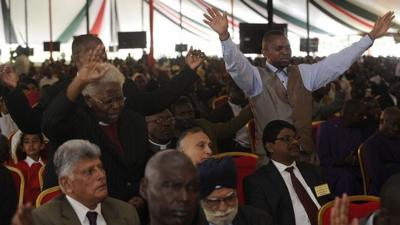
<point>160,128</point>
<point>218,185</point>
<point>382,155</point>
<point>290,191</point>
<point>171,187</point>
<point>338,141</point>
<point>196,144</point>
<point>85,197</point>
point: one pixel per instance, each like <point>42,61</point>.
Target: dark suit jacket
<point>64,120</point>
<point>8,196</point>
<point>146,103</point>
<point>266,189</point>
<point>60,211</point>
<point>385,101</point>
<point>246,215</point>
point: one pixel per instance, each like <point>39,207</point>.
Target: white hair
<point>71,152</point>
<point>111,75</point>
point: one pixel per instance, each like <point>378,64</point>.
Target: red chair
<point>19,182</point>
<point>245,165</point>
<point>217,102</point>
<point>48,195</point>
<point>315,126</point>
<point>360,206</point>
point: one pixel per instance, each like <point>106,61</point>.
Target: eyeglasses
<point>214,203</point>
<point>108,102</point>
<point>288,139</point>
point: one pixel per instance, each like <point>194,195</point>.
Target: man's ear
<point>88,100</point>
<point>143,188</point>
<point>269,147</point>
<point>64,182</point>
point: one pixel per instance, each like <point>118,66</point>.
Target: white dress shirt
<point>300,213</point>
<point>82,210</point>
<point>314,76</point>
<point>30,161</point>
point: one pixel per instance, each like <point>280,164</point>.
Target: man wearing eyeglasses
<point>290,191</point>
<point>161,129</point>
<point>219,199</point>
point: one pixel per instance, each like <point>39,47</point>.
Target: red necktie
<point>305,199</point>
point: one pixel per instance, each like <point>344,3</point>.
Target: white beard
<point>214,216</point>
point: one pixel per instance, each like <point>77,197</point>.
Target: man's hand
<point>194,58</point>
<point>340,212</point>
<point>382,25</point>
<point>23,215</point>
<point>8,77</point>
<point>95,68</point>
<point>218,22</point>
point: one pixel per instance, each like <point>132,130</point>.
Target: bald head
<point>390,122</point>
<point>171,188</point>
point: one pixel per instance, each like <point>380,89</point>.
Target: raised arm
<point>319,74</point>
<point>148,103</point>
<point>246,76</point>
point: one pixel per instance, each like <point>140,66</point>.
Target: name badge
<point>322,190</point>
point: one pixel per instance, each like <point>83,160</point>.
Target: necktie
<point>305,199</point>
<point>92,216</point>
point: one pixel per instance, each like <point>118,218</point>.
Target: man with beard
<point>282,91</point>
<point>161,127</point>
<point>171,188</point>
<point>289,190</point>
<point>382,155</point>
<point>219,198</point>
<point>85,196</point>
<point>338,141</point>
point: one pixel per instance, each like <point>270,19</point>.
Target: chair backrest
<point>246,164</point>
<point>217,102</point>
<point>40,175</point>
<point>364,174</point>
<point>315,127</point>
<point>360,206</point>
<point>19,183</point>
<point>251,130</point>
<point>47,195</point>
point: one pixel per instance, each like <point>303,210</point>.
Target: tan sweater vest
<point>293,105</point>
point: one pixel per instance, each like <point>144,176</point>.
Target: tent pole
<point>51,31</point>
<point>308,28</point>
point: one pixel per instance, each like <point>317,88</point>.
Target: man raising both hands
<point>279,91</point>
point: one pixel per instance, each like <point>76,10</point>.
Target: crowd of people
<point>129,142</point>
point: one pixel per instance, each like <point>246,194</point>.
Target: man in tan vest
<point>279,91</point>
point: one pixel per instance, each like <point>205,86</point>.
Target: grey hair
<point>111,75</point>
<point>193,130</point>
<point>71,152</point>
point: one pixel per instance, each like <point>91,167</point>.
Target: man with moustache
<point>219,199</point>
<point>290,191</point>
<point>85,198</point>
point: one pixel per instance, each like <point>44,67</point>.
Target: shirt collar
<point>82,210</point>
<point>162,146</point>
<point>274,69</point>
<point>30,161</point>
<point>282,167</point>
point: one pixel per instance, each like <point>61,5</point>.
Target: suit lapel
<point>111,216</point>
<point>310,180</point>
<point>68,215</point>
<point>279,184</point>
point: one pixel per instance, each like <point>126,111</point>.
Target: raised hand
<point>218,22</point>
<point>194,58</point>
<point>23,215</point>
<point>382,25</point>
<point>95,68</point>
<point>8,77</point>
<point>340,212</point>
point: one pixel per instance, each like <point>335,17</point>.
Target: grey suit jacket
<point>59,211</point>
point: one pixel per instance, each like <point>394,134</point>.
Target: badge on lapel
<point>322,190</point>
